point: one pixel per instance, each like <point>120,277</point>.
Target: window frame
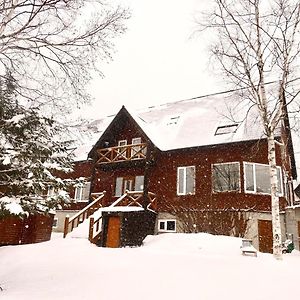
<point>184,193</point>
<point>132,179</point>
<point>135,149</point>
<point>81,189</point>
<point>55,223</point>
<point>165,221</point>
<point>122,141</point>
<point>227,191</point>
<point>232,128</point>
<point>281,194</point>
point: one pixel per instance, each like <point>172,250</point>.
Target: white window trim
<point>185,181</point>
<point>81,188</point>
<point>165,221</point>
<point>133,141</point>
<point>122,141</point>
<point>226,163</point>
<point>254,178</point>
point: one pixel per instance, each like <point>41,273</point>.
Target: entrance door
<point>113,232</point>
<point>265,236</point>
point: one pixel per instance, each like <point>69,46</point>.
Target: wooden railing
<point>130,198</point>
<point>74,221</point>
<point>134,198</point>
<point>95,229</point>
<point>122,153</point>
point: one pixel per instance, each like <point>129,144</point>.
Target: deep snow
<point>168,266</point>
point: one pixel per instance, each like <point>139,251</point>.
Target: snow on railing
<point>122,153</point>
<point>74,221</point>
<point>130,198</point>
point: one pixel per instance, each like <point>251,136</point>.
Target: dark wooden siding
<point>131,230</point>
<point>163,178</point>
<point>33,229</point>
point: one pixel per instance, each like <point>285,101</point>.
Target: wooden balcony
<point>122,153</point>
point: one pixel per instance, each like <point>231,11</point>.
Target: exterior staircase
<point>87,223</point>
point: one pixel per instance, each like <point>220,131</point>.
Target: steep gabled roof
<point>204,121</point>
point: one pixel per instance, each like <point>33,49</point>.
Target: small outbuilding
<point>126,226</point>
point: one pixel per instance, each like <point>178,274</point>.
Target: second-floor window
<point>226,177</point>
<point>257,178</point>
<point>186,180</point>
<point>82,192</point>
<point>132,183</point>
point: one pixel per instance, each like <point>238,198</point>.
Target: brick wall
<point>33,229</point>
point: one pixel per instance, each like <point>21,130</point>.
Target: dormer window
<point>225,129</point>
<point>173,120</point>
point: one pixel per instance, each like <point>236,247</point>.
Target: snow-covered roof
<point>203,121</point>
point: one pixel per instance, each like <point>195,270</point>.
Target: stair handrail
<point>83,214</point>
<point>95,222</point>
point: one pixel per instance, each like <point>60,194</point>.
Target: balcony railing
<point>122,153</point>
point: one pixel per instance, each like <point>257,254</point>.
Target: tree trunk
<point>274,198</point>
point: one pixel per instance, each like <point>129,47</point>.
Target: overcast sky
<point>157,60</point>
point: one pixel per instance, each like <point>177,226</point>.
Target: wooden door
<point>113,232</point>
<point>265,236</point>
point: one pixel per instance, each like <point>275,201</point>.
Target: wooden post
<point>91,229</point>
<point>66,227</point>
<point>146,177</point>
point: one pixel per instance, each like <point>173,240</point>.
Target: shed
<point>126,226</point>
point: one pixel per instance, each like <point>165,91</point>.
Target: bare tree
<point>258,42</point>
<point>52,47</point>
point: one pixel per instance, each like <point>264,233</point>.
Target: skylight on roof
<point>226,129</point>
<point>173,120</point>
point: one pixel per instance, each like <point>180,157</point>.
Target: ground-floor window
<point>55,223</point>
<point>167,225</point>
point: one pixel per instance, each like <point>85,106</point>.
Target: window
<point>226,129</point>
<point>167,225</point>
<point>135,149</point>
<point>226,177</point>
<point>122,143</point>
<point>122,150</point>
<point>119,187</point>
<point>173,120</point>
<point>186,180</point>
<point>55,222</point>
<point>82,192</point>
<point>139,183</point>
<point>51,192</point>
<point>257,178</point>
<point>128,183</point>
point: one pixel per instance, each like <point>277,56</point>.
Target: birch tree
<point>257,42</point>
<point>53,47</point>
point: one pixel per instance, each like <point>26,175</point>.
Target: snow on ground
<point>168,266</point>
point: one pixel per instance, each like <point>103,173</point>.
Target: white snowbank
<point>168,266</point>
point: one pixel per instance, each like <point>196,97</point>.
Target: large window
<point>82,192</point>
<point>167,225</point>
<point>257,178</point>
<point>124,184</point>
<point>226,177</point>
<point>186,180</point>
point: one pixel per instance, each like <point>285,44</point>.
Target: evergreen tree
<point>32,156</point>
